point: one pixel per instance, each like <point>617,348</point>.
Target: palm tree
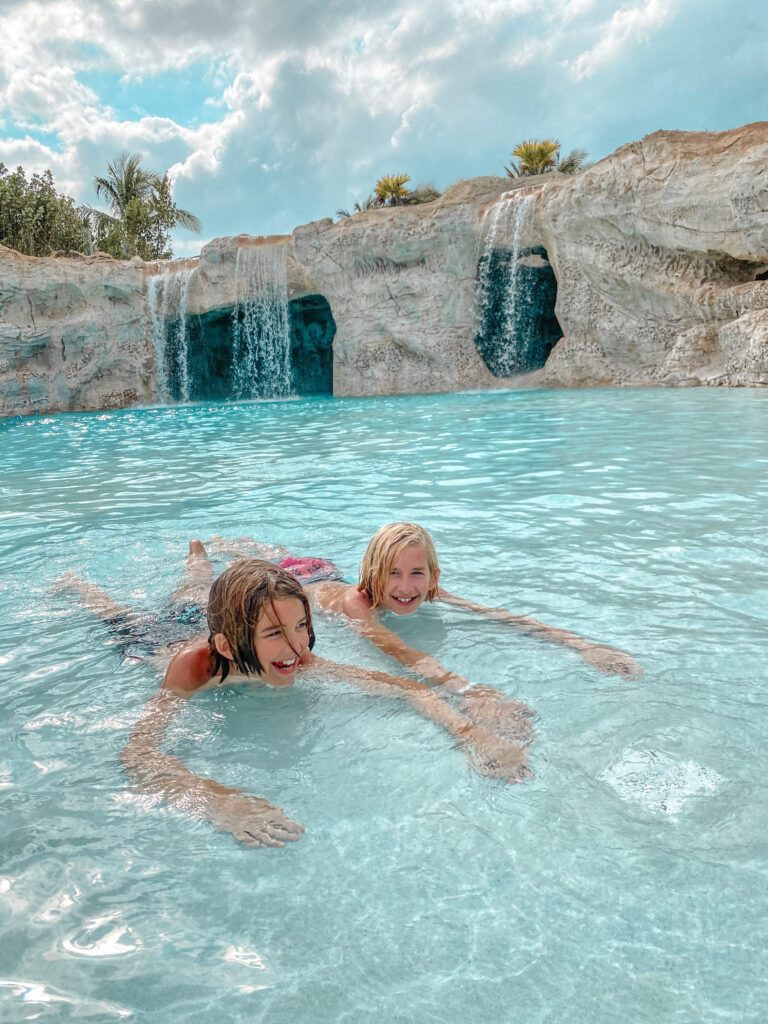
<point>573,162</point>
<point>390,189</point>
<point>126,179</point>
<point>535,156</point>
<point>367,204</point>
<point>141,208</point>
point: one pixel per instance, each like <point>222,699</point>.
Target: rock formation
<point>654,262</point>
<point>73,334</point>
<point>661,258</point>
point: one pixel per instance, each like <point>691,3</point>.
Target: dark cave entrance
<point>516,323</point>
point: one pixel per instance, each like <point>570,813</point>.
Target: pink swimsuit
<point>311,570</point>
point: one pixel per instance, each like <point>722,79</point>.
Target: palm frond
<point>187,220</point>
<point>573,162</point>
<point>390,189</point>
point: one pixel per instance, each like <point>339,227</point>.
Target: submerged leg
<point>197,579</point>
<point>246,547</point>
<point>94,598</point>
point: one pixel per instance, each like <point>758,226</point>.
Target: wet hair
<point>237,600</point>
<point>384,548</point>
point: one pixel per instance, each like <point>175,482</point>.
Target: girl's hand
<point>250,819</point>
<point>431,668</point>
<point>502,715</point>
<point>478,690</point>
<point>609,659</point>
<point>493,756</point>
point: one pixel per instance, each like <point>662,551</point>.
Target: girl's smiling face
<point>281,638</point>
<point>408,581</point>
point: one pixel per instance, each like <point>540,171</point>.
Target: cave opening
<point>312,329</point>
<point>201,360</point>
<point>516,323</point>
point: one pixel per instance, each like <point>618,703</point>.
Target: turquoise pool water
<point>626,882</point>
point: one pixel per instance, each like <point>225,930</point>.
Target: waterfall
<point>501,298</point>
<point>261,344</point>
<point>167,299</point>
<point>489,227</point>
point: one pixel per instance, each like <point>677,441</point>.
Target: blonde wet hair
<point>238,599</point>
<point>384,548</point>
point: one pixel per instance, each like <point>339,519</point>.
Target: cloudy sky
<point>272,113</point>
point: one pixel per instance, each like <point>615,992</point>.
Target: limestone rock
<point>401,284</point>
<point>656,249</point>
<point>659,254</point>
<point>73,334</point>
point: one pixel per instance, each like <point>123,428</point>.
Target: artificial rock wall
<point>659,254</point>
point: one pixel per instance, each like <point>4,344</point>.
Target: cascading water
<point>505,305</point>
<point>489,228</point>
<point>167,299</point>
<point>261,342</point>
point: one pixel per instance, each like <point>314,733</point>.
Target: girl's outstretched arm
<point>601,656</point>
<point>487,707</point>
<point>252,820</point>
<point>488,753</point>
<point>367,624</point>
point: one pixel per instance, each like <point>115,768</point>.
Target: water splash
<point>167,299</point>
<point>261,344</point>
<point>658,782</point>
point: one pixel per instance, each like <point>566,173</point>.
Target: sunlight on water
<point>623,883</point>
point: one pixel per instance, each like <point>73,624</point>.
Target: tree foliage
<point>537,156</point>
<point>426,193</point>
<point>36,219</point>
<point>369,203</point>
<point>142,212</point>
<point>390,189</point>
<point>573,162</point>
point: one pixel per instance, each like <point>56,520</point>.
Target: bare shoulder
<point>191,668</point>
<point>356,604</point>
<point>328,594</point>
<point>340,598</point>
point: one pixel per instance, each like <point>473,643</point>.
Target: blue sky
<point>277,112</point>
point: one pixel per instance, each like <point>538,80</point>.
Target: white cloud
<point>207,145</point>
<point>627,26</point>
<point>300,105</point>
<point>531,52</point>
<point>490,11</point>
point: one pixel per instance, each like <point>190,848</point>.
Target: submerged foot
<point>197,549</point>
<point>509,718</point>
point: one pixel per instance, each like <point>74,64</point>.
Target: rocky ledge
<point>654,262</point>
